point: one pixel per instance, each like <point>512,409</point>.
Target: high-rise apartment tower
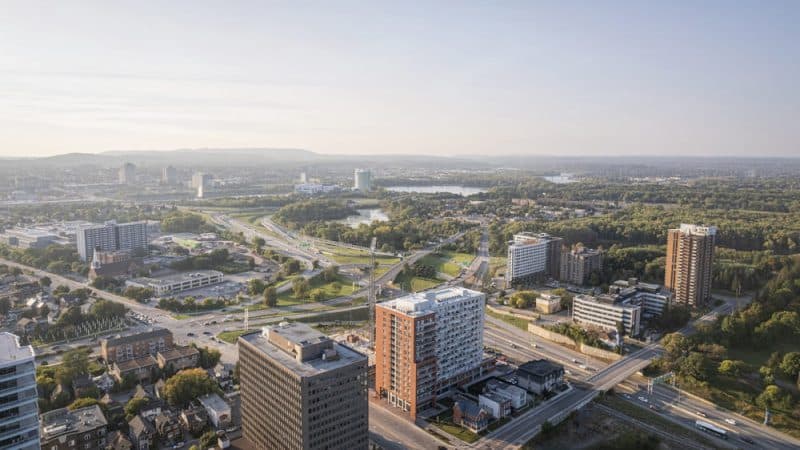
<point>690,257</point>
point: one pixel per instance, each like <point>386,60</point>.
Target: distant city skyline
<point>449,79</point>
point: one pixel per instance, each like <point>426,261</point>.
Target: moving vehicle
<point>730,421</point>
<point>701,414</point>
<point>642,399</point>
<point>711,429</point>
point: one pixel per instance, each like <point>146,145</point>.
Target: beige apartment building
<point>690,257</point>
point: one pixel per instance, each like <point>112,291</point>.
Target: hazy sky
<point>447,78</point>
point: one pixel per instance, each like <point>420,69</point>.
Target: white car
<point>730,421</point>
<point>642,399</point>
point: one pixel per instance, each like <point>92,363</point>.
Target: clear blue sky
<point>565,78</point>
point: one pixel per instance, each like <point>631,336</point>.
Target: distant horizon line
<point>447,156</point>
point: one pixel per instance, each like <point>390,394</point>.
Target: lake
<point>564,178</point>
<point>460,190</point>
<point>366,216</point>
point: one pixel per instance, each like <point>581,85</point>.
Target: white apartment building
<point>530,254</point>
<point>111,237</point>
<point>177,283</point>
<point>606,311</point>
<point>362,180</point>
<point>653,298</point>
<point>19,410</point>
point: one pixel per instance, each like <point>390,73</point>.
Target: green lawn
<point>351,256</point>
<point>518,322</point>
<point>415,284</point>
<point>450,263</point>
<point>328,290</point>
<point>445,423</point>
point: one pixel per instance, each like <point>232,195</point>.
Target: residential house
<point>497,405</point>
<point>540,376</point>
<point>168,427</point>
<point>517,395</point>
<point>118,441</point>
<point>142,433</point>
<point>194,418</point>
<point>104,382</point>
<point>83,386</point>
<point>470,415</point>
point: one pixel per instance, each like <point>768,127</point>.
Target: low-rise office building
<point>607,311</point>
<point>653,298</point>
<point>497,405</point>
<point>29,238</point>
<point>548,303</point>
<point>83,428</point>
<point>517,395</point>
<point>173,284</point>
<point>217,409</point>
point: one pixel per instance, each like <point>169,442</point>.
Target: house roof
<point>541,367</point>
<point>139,426</point>
<point>468,407</point>
<point>134,364</point>
<point>151,334</point>
<point>179,352</point>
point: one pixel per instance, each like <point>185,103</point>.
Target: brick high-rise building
<point>425,343</point>
<point>690,256</point>
<point>302,390</point>
<point>578,263</point>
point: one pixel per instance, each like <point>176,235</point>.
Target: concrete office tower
<point>303,178</point>
<point>127,174</point>
<point>531,255</point>
<point>426,343</point>
<point>110,237</point>
<point>363,180</point>
<point>302,390</point>
<point>690,256</point>
<point>169,176</point>
<point>578,263</point>
<point>19,410</point>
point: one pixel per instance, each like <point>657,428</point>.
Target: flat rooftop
<point>63,421</point>
<point>426,302</point>
<point>10,350</point>
<point>179,277</point>
<point>310,367</point>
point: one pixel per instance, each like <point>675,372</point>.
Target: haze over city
<point>450,78</point>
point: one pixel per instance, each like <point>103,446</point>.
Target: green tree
<point>731,367</point>
<point>187,385</point>
<point>270,296</point>
<point>134,406</point>
<point>790,365</point>
<point>255,286</point>
<point>774,397</point>
<point>330,273</point>
<point>82,403</point>
<point>695,365</point>
<point>73,363</point>
<point>300,288</point>
<point>208,439</point>
<point>209,357</point>
<point>45,282</point>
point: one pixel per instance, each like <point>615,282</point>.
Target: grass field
<point>415,284</point>
<point>450,263</point>
<point>329,290</point>
<point>445,423</point>
<point>518,322</point>
<point>351,256</point>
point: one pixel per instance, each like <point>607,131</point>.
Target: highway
<point>684,409</point>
